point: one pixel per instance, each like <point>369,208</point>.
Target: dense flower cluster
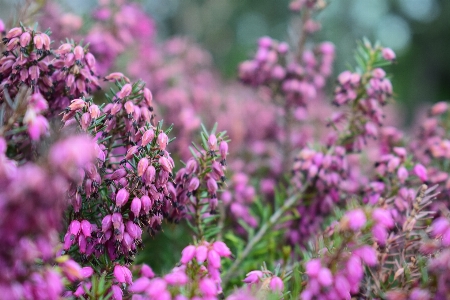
<point>84,174</point>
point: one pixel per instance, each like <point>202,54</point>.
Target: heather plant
<point>296,192</point>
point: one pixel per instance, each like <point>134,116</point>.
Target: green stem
<point>290,202</point>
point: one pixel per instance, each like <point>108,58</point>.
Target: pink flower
<point>325,277</point>
<point>313,267</point>
<point>253,277</point>
<point>208,287</point>
<point>356,219</point>
<point>388,54</point>
<point>421,172</point>
<point>188,254</point>
<point>276,284</point>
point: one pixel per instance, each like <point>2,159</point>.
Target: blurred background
<point>417,30</point>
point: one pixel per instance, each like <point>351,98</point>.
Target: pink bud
<point>187,254</point>
<point>38,42</point>
<point>222,249</point>
<point>356,219</point>
<point>147,271</point>
<point>74,227</point>
<point>131,152</point>
<point>276,284</point>
<point>212,187</point>
<point>380,234</point>
<point>125,91</point>
<point>116,76</point>
<point>78,52</point>
<point>116,220</point>
<point>148,97</point>
<point>439,227</point>
<point>94,111</point>
<point>129,107</point>
<point>77,104</point>
<point>402,174</point>
<point>15,32</point>
<point>119,173</point>
<point>85,121</point>
<point>176,278</point>
<point>421,172</point>
<point>214,259</point>
<point>117,292</point>
<point>212,142</point>
<point>193,184</point>
<point>208,287</point>
<point>149,175</point>
<point>147,137</point>
<point>439,108</point>
<point>367,254</point>
<point>136,206</point>
<point>253,277</point>
<point>325,277</point>
<point>313,267</point>
<point>139,285</point>
<point>201,254</point>
<point>87,272</point>
<point>86,228</point>
<point>142,166</point>
<point>162,141</point>
<point>122,197</point>
<point>383,217</point>
<point>106,223</point>
<point>25,39</point>
<point>191,166</point>
<point>164,162</point>
<point>146,204</point>
<point>223,149</point>
<point>388,54</point>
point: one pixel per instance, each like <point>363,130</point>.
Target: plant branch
<point>290,202</point>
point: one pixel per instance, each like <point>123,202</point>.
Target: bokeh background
<point>418,30</point>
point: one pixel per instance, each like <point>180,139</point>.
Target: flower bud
<point>222,249</point>
<point>125,91</point>
<point>214,259</point>
<point>94,111</point>
<point>193,184</point>
<point>223,149</point>
<point>119,173</point>
<point>122,197</point>
<point>148,97</point>
<point>38,42</point>
<point>129,107</point>
<point>76,104</point>
<point>164,162</point>
<point>74,227</point>
<point>276,284</point>
<point>388,54</point>
<point>208,287</point>
<point>212,142</point>
<point>201,254</point>
<point>15,32</point>
<point>147,137</point>
<point>187,254</point>
<point>142,166</point>
<point>212,187</point>
<point>86,228</point>
<point>136,206</point>
<point>146,204</point>
<point>78,52</point>
<point>162,141</point>
<point>131,152</point>
<point>25,39</point>
<point>421,172</point>
<point>106,223</point>
<point>253,277</point>
<point>149,175</point>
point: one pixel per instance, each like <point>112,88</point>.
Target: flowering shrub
<point>320,196</point>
